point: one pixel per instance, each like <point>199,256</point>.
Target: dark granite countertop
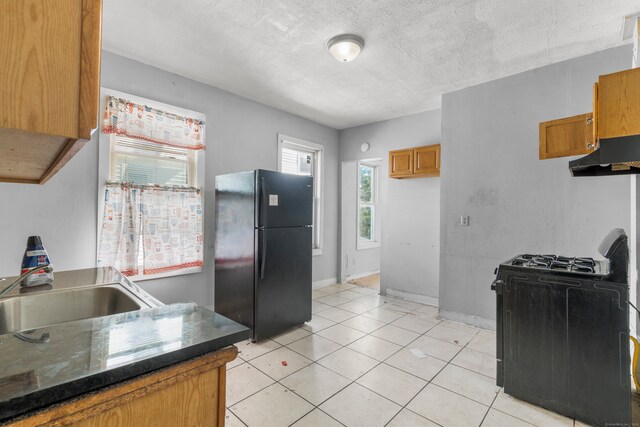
<point>88,354</point>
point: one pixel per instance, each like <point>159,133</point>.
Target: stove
<point>563,332</point>
<point>557,263</point>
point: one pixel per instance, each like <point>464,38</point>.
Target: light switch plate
<point>464,220</point>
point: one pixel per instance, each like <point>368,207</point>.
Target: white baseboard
<point>325,282</point>
<point>361,275</point>
<point>422,299</point>
<point>476,321</point>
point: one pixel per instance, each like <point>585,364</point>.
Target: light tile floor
<point>368,360</point>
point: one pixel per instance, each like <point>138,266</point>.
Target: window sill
<point>316,252</point>
<point>362,246</point>
<point>143,277</point>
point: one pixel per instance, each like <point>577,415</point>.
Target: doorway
<point>372,281</point>
<point>361,223</point>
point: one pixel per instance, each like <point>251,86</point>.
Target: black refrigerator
<point>263,250</point>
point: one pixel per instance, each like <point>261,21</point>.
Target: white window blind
<point>146,163</point>
<point>297,162</point>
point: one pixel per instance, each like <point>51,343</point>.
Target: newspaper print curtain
<point>119,238</point>
<point>124,117</point>
<point>166,223</point>
<point>172,230</point>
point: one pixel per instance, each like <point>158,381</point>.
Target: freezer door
<point>283,280</point>
<point>283,200</point>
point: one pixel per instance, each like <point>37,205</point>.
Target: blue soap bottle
<point>36,255</point>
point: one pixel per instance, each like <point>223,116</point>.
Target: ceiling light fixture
<point>345,47</point>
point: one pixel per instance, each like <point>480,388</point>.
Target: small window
<point>299,157</point>
<point>151,214</point>
<point>368,221</point>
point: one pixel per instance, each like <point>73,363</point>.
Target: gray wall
<point>241,135</point>
<point>410,207</point>
<point>516,202</point>
<point>62,212</point>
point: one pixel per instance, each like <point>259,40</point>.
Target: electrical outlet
<point>464,220</point>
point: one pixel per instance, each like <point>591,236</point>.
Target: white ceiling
<point>416,50</point>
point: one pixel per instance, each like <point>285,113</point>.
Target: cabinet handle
<point>590,146</point>
<point>589,120</point>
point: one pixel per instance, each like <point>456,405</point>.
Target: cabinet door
<point>401,163</point>
<point>426,160</point>
<point>619,104</point>
<point>49,81</point>
<point>570,136</point>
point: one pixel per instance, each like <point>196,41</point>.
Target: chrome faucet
<point>47,269</point>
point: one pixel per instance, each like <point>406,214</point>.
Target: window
<point>368,221</point>
<point>151,215</point>
<point>299,157</point>
<point>145,163</point>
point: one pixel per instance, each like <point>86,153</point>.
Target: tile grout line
<point>490,406</point>
<point>431,382</point>
<point>243,423</point>
<point>278,381</point>
<point>338,391</point>
<point>378,362</point>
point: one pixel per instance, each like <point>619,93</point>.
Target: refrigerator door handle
<point>263,256</point>
<point>265,205</point>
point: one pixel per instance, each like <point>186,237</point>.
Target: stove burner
<point>554,262</point>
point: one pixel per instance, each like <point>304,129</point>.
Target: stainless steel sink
<point>37,310</point>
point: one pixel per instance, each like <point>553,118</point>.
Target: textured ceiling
<point>416,50</point>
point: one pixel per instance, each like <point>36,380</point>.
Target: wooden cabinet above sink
<point>50,81</point>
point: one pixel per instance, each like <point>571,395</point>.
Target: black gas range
<point>562,263</point>
<point>563,332</point>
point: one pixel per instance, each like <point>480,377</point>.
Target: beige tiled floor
<point>368,360</point>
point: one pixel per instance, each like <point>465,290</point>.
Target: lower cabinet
<point>190,393</point>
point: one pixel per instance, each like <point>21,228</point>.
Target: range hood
<point>615,156</point>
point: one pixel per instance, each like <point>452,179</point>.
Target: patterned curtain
<point>121,226</point>
<point>142,122</point>
<point>168,220</point>
<point>172,229</point>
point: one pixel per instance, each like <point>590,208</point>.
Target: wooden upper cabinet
<point>49,81</point>
<point>570,136</point>
<point>401,163</point>
<point>417,162</point>
<point>427,161</point>
<point>618,104</point>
